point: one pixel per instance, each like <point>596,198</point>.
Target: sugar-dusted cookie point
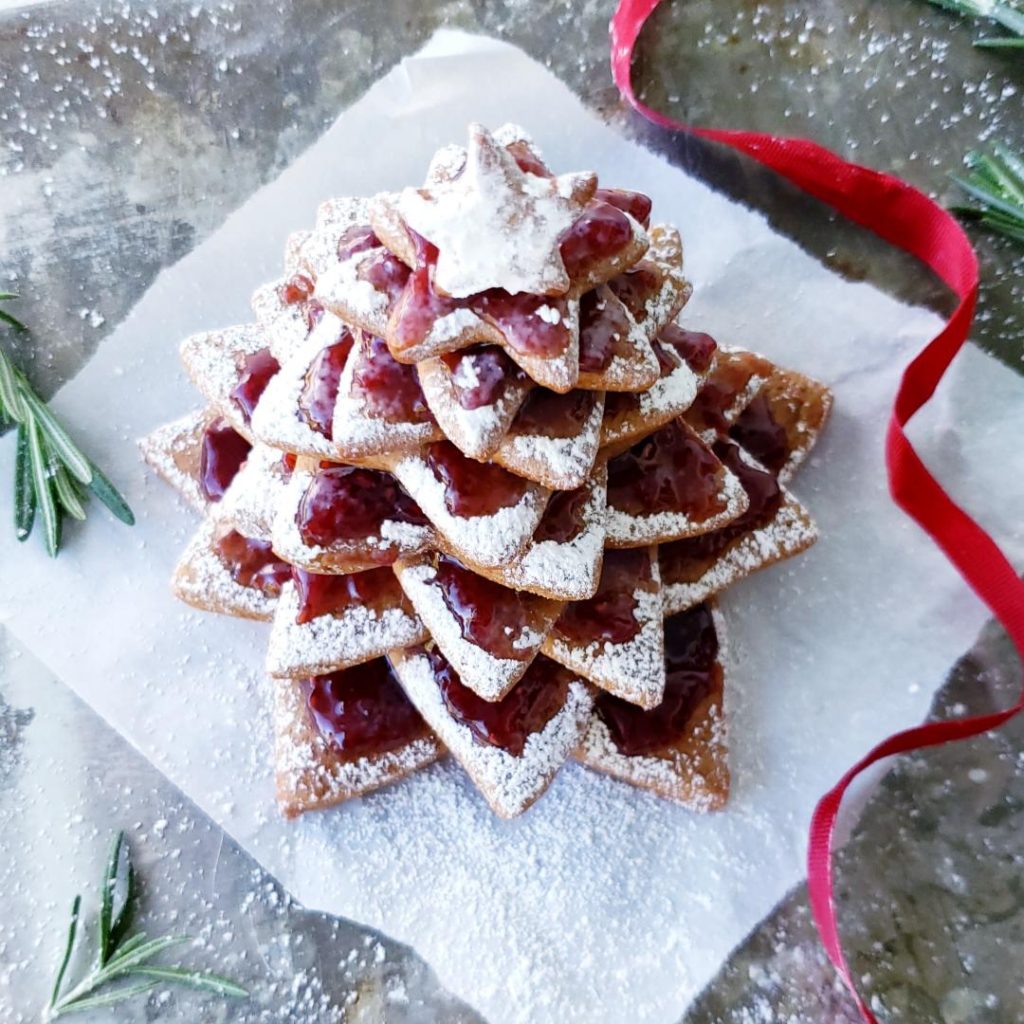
<point>484,482</point>
<point>495,225</point>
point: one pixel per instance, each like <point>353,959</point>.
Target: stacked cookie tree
<point>486,488</point>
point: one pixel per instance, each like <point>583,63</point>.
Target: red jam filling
<point>507,723</point>
<point>385,273</point>
<point>691,647</point>
<point>598,234</point>
<point>220,458</point>
<point>473,488</point>
<point>672,470</point>
<point>480,376</point>
<point>720,392</point>
<point>259,368</point>
<point>296,289</point>
<point>347,504</point>
<point>610,615</point>
<point>489,615</point>
<point>604,332</point>
<point>527,160</point>
<point>390,390</point>
<point>757,431</point>
<point>637,287</point>
<point>253,563</point>
<point>686,559</point>
<point>636,204</point>
<point>533,324</point>
<point>288,462</point>
<point>553,415</point>
<point>358,238</point>
<point>321,390</point>
<point>363,710</point>
<point>696,348</point>
<point>563,517</point>
<point>319,595</point>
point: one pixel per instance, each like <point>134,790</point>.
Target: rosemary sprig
<point>121,957</point>
<point>1008,13</point>
<point>996,180</point>
<point>51,473</point>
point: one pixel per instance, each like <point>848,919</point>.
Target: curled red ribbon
<point>909,220</point>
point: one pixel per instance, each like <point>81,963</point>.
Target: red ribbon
<point>909,220</point>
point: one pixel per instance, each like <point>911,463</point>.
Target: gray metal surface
<point>128,133</point>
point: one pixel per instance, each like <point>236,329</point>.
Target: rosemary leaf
<point>112,998</point>
<point>201,980</point>
<point>24,492</point>
<point>120,963</point>
<point>68,497</point>
<point>110,496</point>
<point>59,439</point>
<point>44,495</point>
<point>10,396</point>
<point>7,318</point>
<point>76,907</point>
<point>107,901</point>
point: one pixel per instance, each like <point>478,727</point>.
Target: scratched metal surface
<point>128,133</point>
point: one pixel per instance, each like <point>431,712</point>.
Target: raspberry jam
<point>533,324</point>
<point>362,710</point>
<point>473,488</point>
<point>550,414</point>
<point>730,378</point>
<point>757,431</point>
<point>347,504</point>
<point>331,595</point>
<point>672,470</point>
<point>259,368</point>
<point>480,376</point>
<point>418,308</point>
<point>253,563</point>
<point>599,233</point>
<point>637,287</point>
<point>527,160</point>
<point>636,204</point>
<point>610,615</point>
<point>563,517</point>
<point>390,390</point>
<point>691,647</point>
<point>320,392</point>
<point>489,615</point>
<point>684,561</point>
<point>356,239</point>
<point>220,458</point>
<point>507,723</point>
<point>604,332</point>
<point>694,347</point>
<point>296,289</point>
<point>385,273</point>
<point>288,463</point>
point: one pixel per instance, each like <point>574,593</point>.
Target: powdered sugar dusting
<point>488,540</point>
<point>330,642</point>
<point>510,784</point>
<point>173,452</point>
<point>626,530</point>
<point>481,671</point>
<point>635,670</point>
<point>789,532</point>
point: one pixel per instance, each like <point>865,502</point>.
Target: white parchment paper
<point>601,904</point>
